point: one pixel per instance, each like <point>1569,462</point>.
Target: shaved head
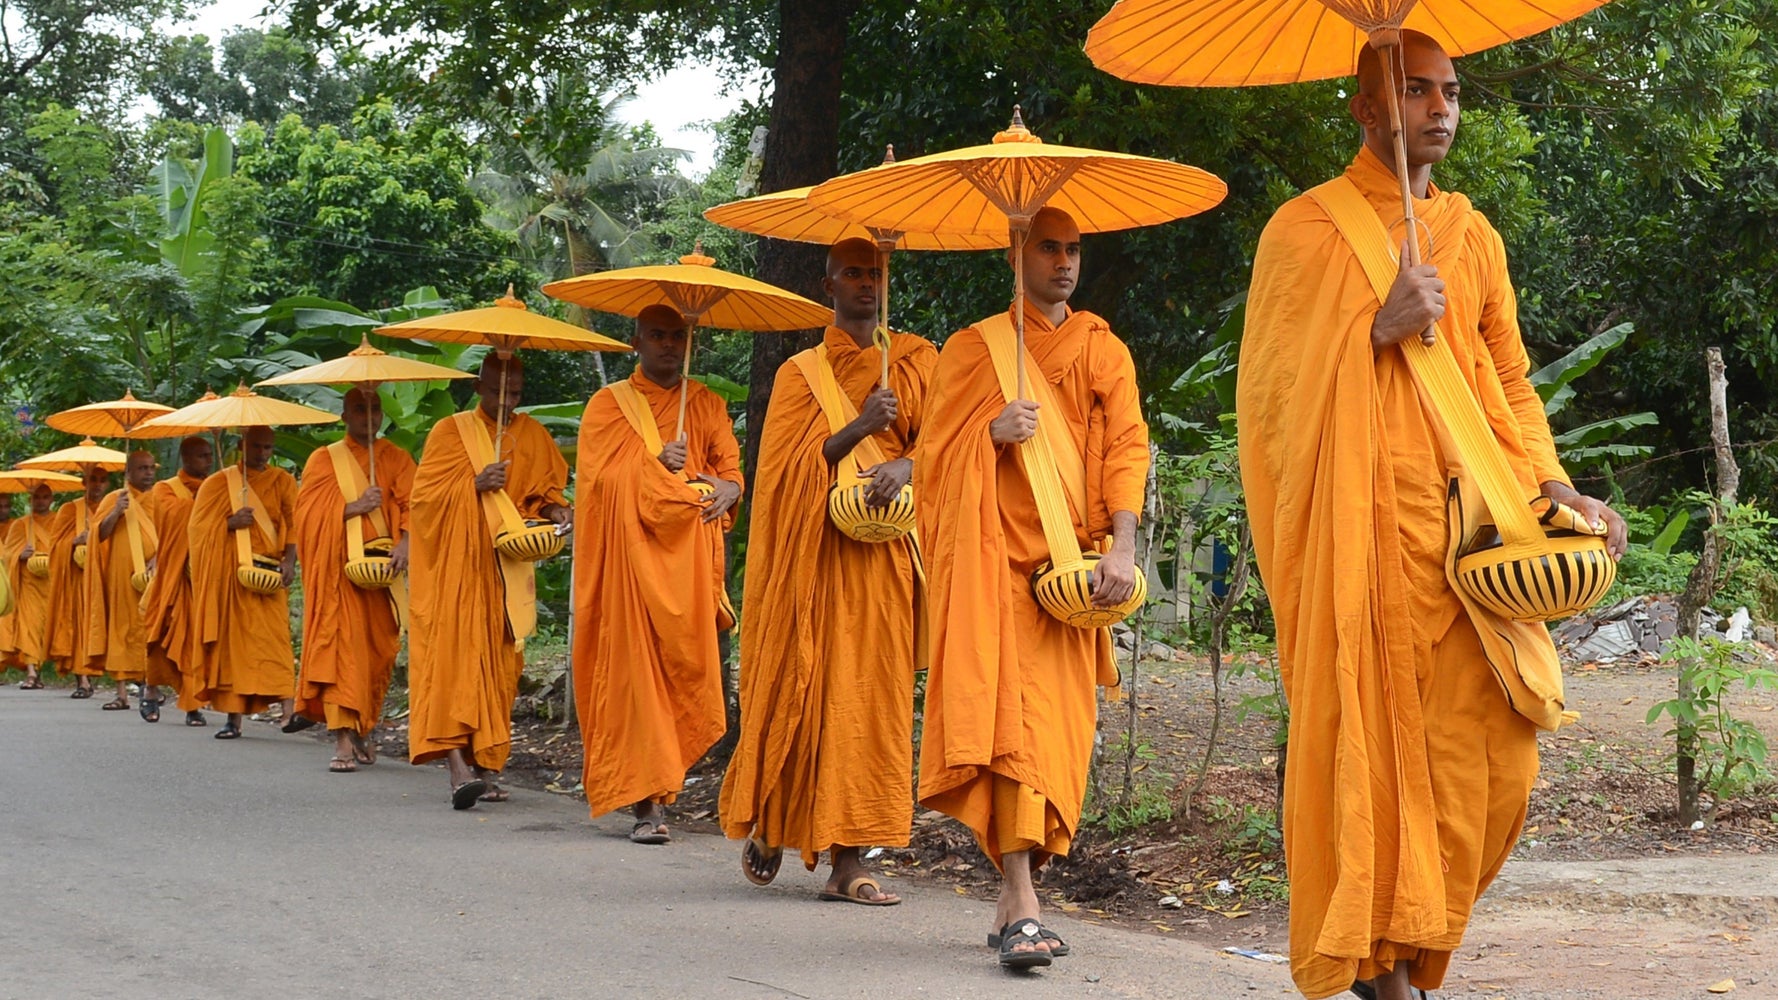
<point>256,447</point>
<point>196,456</point>
<point>856,251</point>
<point>661,340</point>
<point>41,497</point>
<point>501,380</point>
<point>853,284</point>
<point>97,481</point>
<point>363,413</point>
<point>664,317</point>
<point>1370,62</point>
<point>1429,95</point>
<point>139,471</point>
<point>1051,261</point>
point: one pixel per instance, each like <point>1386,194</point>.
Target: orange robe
<point>244,655</point>
<point>116,640</point>
<point>647,673</point>
<point>827,629</point>
<point>350,635</point>
<point>1408,773</point>
<point>1010,700</point>
<point>8,556</point>
<point>69,609</point>
<point>24,642</point>
<point>463,660</point>
<point>173,646</point>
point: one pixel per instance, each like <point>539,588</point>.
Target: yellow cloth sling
<point>134,530</point>
<point>1522,655</point>
<point>179,488</point>
<point>1053,464</point>
<point>641,420</point>
<point>519,576</point>
<point>352,484</point>
<point>838,409</point>
<point>237,486</point>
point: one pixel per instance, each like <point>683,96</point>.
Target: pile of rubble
<point>1643,627</point>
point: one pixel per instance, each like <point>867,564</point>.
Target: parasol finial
<point>1016,132</point>
<point>364,350</point>
<point>889,153</point>
<point>128,396</point>
<point>697,257</point>
<point>509,300</point>
<point>242,390</point>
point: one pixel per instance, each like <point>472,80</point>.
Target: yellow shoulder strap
<point>352,484</point>
<point>518,576</point>
<point>1435,370</point>
<point>179,488</point>
<point>637,413</point>
<point>132,528</point>
<point>1053,465</point>
<point>817,369</point>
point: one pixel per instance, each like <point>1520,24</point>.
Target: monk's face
<point>488,385</point>
<point>1429,104</point>
<point>256,447</point>
<point>1052,258</point>
<point>98,483</point>
<point>140,470</point>
<point>853,280</point>
<point>41,498</point>
<point>196,457</point>
<point>364,415</point>
<point>661,339</point>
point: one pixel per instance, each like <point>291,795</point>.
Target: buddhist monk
<point>69,610</point>
<point>1409,770</point>
<point>473,607</point>
<point>1010,699</point>
<point>26,645</point>
<point>244,654</point>
<point>350,634</point>
<point>8,551</point>
<point>174,650</point>
<point>120,549</point>
<point>649,601</point>
<point>827,626</point>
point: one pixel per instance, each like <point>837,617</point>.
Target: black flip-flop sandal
<point>649,832</point>
<point>150,709</point>
<point>760,863</point>
<point>1023,932</point>
<point>80,692</point>
<point>116,705</point>
<point>228,732</point>
<point>31,684</point>
<point>466,795</point>
<point>195,719</point>
<point>1058,947</point>
<point>296,724</point>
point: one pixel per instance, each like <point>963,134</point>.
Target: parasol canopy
<point>84,454</point>
<point>366,366</point>
<point>506,326</point>
<point>243,408</point>
<point>27,480</point>
<point>699,290</point>
<point>116,418</point>
<point>997,187</point>
<point>789,215</point>
<point>1243,43</point>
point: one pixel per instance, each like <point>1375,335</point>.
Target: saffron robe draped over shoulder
<point>1010,700</point>
<point>647,669</point>
<point>463,661</point>
<point>69,609</point>
<point>1408,774</point>
<point>116,639</point>
<point>173,645</point>
<point>350,635</point>
<point>825,754</point>
<point>245,654</point>
<point>24,640</point>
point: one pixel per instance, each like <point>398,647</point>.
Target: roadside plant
<point>1730,751</point>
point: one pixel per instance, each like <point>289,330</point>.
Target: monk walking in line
<point>473,607</point>
<point>649,602</point>
<point>174,651</point>
<point>117,552</point>
<point>1010,699</point>
<point>26,645</point>
<point>246,657</point>
<point>1402,800</point>
<point>827,627</point>
<point>70,612</point>
<point>350,634</point>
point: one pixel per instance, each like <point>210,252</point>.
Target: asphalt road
<point>141,861</point>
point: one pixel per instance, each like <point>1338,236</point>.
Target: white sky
<point>682,104</point>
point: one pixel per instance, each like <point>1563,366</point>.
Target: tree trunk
<point>802,147</point>
<point>1701,585</point>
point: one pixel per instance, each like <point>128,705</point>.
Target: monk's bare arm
<point>1115,580</point>
<point>880,410</point>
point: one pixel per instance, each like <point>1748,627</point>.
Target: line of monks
<point>833,629</point>
<point>1409,770</point>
